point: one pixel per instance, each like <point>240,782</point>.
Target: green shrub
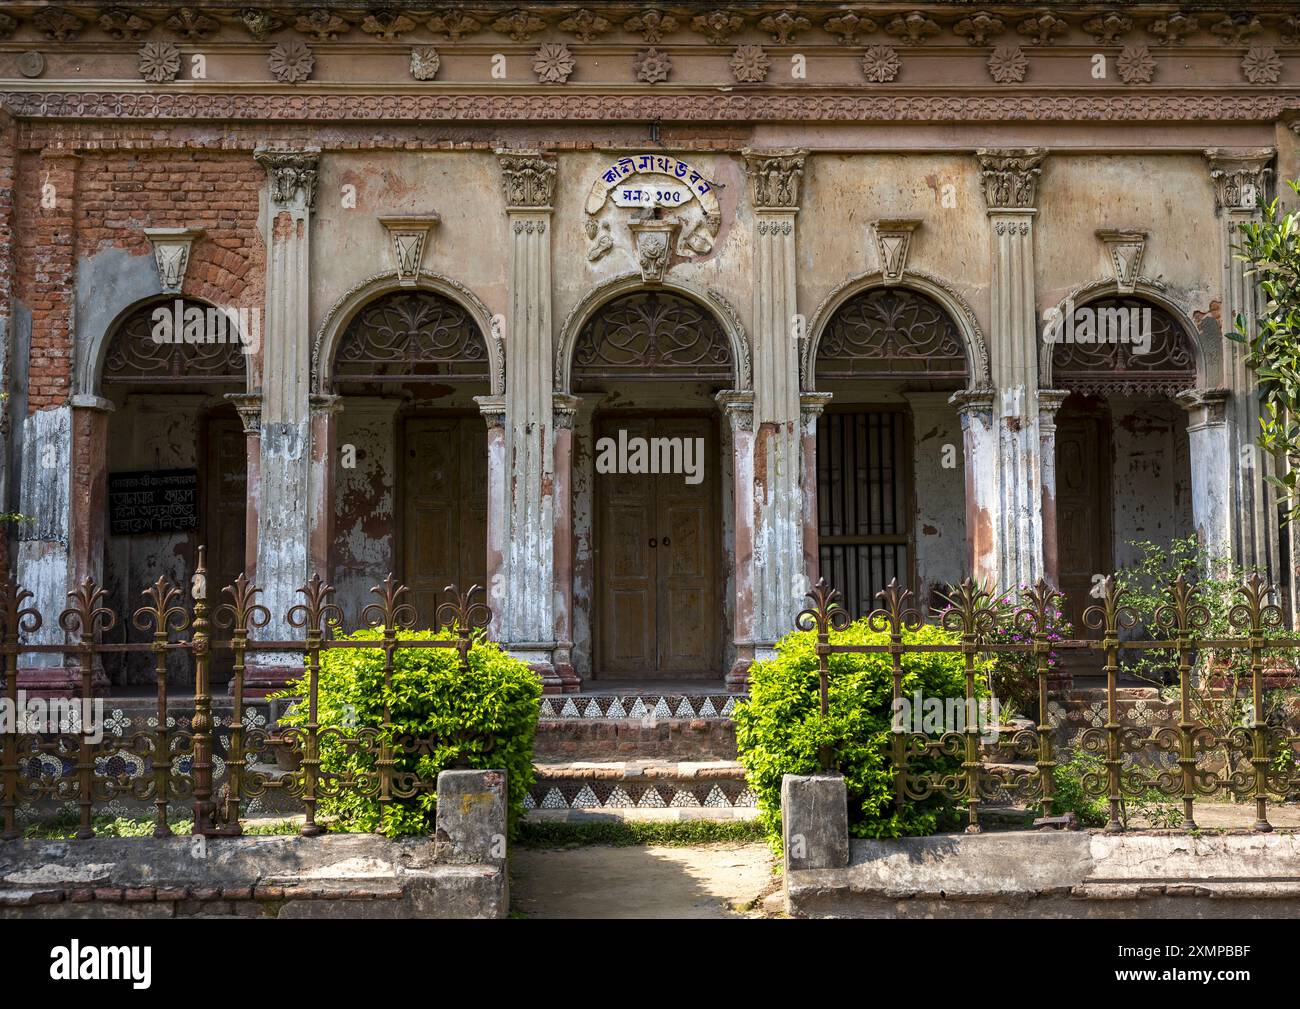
<point>480,717</point>
<point>780,731</point>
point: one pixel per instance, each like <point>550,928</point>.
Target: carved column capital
<point>565,409</point>
<point>973,401</point>
<point>527,179</point>
<point>493,409</point>
<point>325,404</point>
<point>171,253</point>
<point>1009,176</point>
<point>292,175</point>
<point>1240,176</point>
<point>249,407</point>
<point>1205,406</point>
<point>738,408</point>
<point>1049,403</point>
<point>774,177</point>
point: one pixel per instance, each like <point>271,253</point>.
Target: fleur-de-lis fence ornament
<point>162,613</point>
<point>15,615</point>
<point>319,614</point>
<point>161,616</point>
<point>825,614</point>
<point>391,612</point>
<point>1184,614</point>
<point>1255,616</point>
<point>87,616</point>
<point>971,610</point>
<point>1110,616</point>
<point>464,614</point>
<point>896,615</point>
<point>243,612</point>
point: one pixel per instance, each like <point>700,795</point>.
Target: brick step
<point>669,789</point>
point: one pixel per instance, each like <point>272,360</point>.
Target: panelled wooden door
<point>1083,533</point>
<point>657,590</point>
<point>225,506</point>
<point>444,508</point>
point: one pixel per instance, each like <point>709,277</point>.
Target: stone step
<point>703,787</point>
<point>637,726</point>
<point>637,706</point>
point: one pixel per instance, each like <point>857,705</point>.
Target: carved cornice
<point>148,106</point>
<point>527,179</point>
<point>1009,176</point>
<point>1240,177</point>
<point>774,177</point>
<point>292,175</point>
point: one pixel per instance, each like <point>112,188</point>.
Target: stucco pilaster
<point>527,594</point>
<point>1009,179</point>
<point>980,449</point>
<point>738,408</point>
<point>1049,403</point>
<point>285,512</point>
<point>779,575</point>
<point>1210,443</point>
<point>565,413</point>
<point>1241,178</point>
<point>811,406</point>
<point>493,410</point>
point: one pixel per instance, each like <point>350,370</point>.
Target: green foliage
<point>1068,794</point>
<point>1272,248</point>
<point>626,833</point>
<point>780,731</point>
<point>483,716</point>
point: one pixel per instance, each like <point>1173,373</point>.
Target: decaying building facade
<point>640,315</point>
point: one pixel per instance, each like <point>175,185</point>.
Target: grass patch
<point>64,827</point>
<point>681,833</point>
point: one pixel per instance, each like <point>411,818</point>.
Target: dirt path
<point>726,880</point>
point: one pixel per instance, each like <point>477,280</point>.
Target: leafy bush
<point>780,731</point>
<point>480,717</point>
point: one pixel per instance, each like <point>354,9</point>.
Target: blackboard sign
<point>156,501</point>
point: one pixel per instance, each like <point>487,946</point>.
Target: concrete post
<point>284,530</point>
<point>527,599</point>
<point>814,821</point>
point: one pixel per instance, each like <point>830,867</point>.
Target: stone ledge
<point>1050,875</point>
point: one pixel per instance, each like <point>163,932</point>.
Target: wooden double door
<point>444,508</point>
<point>658,578</point>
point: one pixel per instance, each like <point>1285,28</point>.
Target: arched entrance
<point>177,463</point>
<point>889,460</point>
<point>1123,466</point>
<point>654,569</point>
<point>410,445</point>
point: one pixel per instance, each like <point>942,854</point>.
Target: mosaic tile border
<point>638,707</point>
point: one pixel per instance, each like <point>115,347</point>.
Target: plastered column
<point>983,498</point>
<point>527,596</point>
<point>284,526</point>
<point>249,407</point>
<point>565,413</point>
<point>1010,184</point>
<point>811,406</point>
<point>1240,178</point>
<point>1210,443</point>
<point>493,409</point>
<point>738,408</point>
<point>779,574</point>
<point>1049,403</point>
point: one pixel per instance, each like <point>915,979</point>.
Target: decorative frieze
<point>171,252</point>
<point>454,24</point>
<point>784,25</point>
<point>1106,29</point>
<point>386,24</point>
<point>322,25</point>
<point>848,27</point>
<point>260,23</point>
<point>124,25</point>
<point>1042,29</point>
<point>1124,250</point>
<point>718,25</point>
<point>585,25</point>
<point>408,238</point>
<point>1009,176</point>
<point>977,30</point>
<point>652,26</point>
<point>520,25</point>
<point>1172,30</point>
<point>912,29</point>
<point>57,25</point>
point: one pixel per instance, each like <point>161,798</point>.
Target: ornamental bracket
<point>171,254</point>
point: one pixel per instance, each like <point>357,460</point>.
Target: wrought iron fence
<point>66,766</point>
<point>1262,756</point>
